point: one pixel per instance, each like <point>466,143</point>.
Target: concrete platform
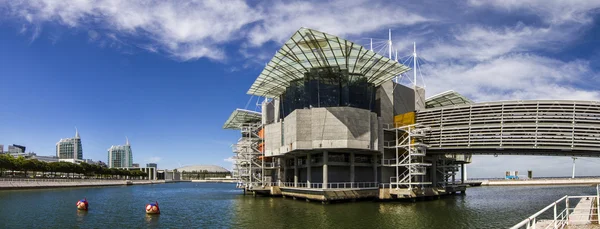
<point>351,194</point>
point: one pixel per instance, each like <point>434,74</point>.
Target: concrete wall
<point>384,102</point>
<point>272,139</point>
<point>404,100</point>
<point>55,183</point>
<point>325,128</point>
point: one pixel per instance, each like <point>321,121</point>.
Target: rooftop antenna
<point>371,44</point>
<point>76,133</point>
<point>126,140</point>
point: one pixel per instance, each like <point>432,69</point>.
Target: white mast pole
<point>390,44</point>
<point>415,65</point>
<point>371,44</point>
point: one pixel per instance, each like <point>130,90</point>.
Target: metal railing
<point>57,180</point>
<point>336,185</point>
<point>568,215</point>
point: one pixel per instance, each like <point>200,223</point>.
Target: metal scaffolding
<point>409,156</point>
<point>249,166</point>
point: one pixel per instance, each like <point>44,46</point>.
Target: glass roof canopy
<point>309,48</point>
<point>241,116</point>
<point>447,98</point>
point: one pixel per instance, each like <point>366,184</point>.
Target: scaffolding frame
<point>249,168</point>
<point>410,152</point>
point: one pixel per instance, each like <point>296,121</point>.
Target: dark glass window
<point>328,87</point>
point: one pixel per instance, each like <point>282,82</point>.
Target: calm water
<point>200,205</point>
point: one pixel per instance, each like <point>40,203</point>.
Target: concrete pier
<point>566,181</point>
<point>352,194</point>
<point>60,183</point>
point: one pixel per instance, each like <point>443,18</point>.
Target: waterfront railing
<point>56,180</point>
<point>577,210</point>
<point>335,185</point>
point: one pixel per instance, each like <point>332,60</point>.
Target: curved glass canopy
<point>310,49</point>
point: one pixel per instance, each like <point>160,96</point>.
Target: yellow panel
<point>404,119</point>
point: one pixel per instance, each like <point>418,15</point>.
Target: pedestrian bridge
<point>533,127</point>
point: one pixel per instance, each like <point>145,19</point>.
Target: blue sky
<point>167,74</point>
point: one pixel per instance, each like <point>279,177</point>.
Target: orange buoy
<point>152,208</point>
<point>82,204</point>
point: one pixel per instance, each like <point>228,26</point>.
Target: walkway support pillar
<point>308,170</point>
<point>352,171</point>
<point>375,168</point>
<point>325,172</point>
<point>462,173</point>
<point>295,171</point>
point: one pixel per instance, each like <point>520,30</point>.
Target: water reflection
<point>81,215</point>
<point>152,220</point>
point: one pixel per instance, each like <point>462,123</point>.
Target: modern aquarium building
<point>334,125</point>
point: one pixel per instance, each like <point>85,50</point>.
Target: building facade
<point>120,156</point>
<point>334,122</point>
<point>152,165</point>
<point>16,149</point>
<point>70,148</point>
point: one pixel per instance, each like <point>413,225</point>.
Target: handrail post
<point>555,223</point>
<point>598,203</point>
<point>567,210</point>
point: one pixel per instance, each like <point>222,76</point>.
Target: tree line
<point>21,164</point>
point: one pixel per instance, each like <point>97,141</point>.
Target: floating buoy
<point>152,208</point>
<point>82,204</point>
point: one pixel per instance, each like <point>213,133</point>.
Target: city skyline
<point>169,79</point>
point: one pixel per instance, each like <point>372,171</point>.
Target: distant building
<point>136,165</point>
<point>120,156</point>
<point>1,149</point>
<point>151,165</point>
<point>203,172</point>
<point>70,148</point>
<point>16,149</point>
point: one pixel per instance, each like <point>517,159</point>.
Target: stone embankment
<point>566,181</point>
<point>59,183</point>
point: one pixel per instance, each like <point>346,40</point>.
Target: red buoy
<point>82,204</point>
<point>152,208</point>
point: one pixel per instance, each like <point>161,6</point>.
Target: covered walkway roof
<point>447,98</point>
<point>309,48</point>
<point>241,116</point>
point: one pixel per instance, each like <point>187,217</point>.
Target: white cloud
<point>550,11</point>
<point>510,77</point>
<point>190,29</point>
<point>184,29</point>
<point>154,159</point>
<point>350,17</point>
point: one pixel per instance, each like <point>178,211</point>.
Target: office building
<point>151,165</point>
<point>70,148</point>
<point>16,149</point>
<point>1,149</point>
<point>120,156</point>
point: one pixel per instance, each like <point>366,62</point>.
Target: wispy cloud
<point>183,29</point>
<point>550,11</point>
<point>187,29</point>
<point>154,159</point>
